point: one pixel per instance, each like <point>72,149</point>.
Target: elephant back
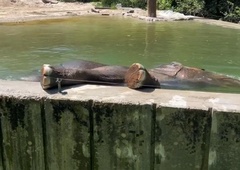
<point>169,69</point>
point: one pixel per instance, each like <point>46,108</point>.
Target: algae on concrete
<point>225,141</point>
<point>67,135</point>
<point>22,136</point>
<point>181,138</point>
<point>122,136</point>
<point>161,129</point>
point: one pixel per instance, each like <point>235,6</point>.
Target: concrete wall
<point>116,128</point>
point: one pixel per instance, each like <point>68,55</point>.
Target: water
<point>25,47</point>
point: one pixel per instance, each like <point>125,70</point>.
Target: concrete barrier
<point>103,127</point>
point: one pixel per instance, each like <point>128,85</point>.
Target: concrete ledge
<point>114,94</point>
<point>105,127</point>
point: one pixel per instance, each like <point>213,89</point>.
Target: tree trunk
<point>152,8</point>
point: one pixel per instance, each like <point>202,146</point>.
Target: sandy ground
<point>37,10</point>
<point>15,12</point>
<point>19,12</point>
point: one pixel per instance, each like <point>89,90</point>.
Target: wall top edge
<point>224,102</point>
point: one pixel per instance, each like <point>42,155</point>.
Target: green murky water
<point>25,47</point>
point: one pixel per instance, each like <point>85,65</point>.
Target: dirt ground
<point>22,10</point>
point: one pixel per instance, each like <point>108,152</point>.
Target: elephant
<point>170,76</point>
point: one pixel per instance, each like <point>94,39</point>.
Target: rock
<point>50,2</point>
<point>94,10</point>
<point>170,15</point>
<point>119,6</point>
<point>130,11</point>
<point>105,14</point>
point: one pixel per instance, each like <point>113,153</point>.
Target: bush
<point>138,3</point>
<point>227,10</point>
<point>192,7</point>
<point>109,3</point>
<point>165,4</point>
<point>233,16</point>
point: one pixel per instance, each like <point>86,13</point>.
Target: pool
<point>26,46</point>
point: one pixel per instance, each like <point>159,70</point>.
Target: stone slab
<point>225,141</point>
<point>67,135</point>
<point>22,137</point>
<point>122,136</point>
<point>182,139</point>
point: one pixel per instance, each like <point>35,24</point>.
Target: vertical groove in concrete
<point>153,134</point>
<point>91,123</point>
<point>1,137</point>
<point>206,138</point>
<point>2,151</point>
<point>44,133</point>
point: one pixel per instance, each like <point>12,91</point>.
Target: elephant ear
<point>169,69</point>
